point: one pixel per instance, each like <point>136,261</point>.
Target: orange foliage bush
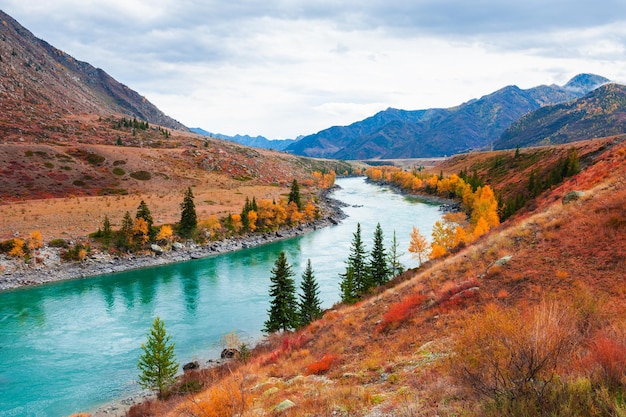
<point>221,400</point>
<point>321,366</point>
<point>607,357</point>
<point>401,311</point>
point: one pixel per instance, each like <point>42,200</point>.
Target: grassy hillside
<point>526,321</point>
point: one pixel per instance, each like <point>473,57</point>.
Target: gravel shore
<point>15,273</point>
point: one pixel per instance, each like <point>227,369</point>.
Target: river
<point>72,346</point>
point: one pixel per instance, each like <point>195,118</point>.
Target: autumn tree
<point>157,363</point>
<point>143,212</point>
<point>378,267</point>
<point>141,232</point>
<point>35,241</point>
<point>188,218</point>
<point>419,246</point>
<point>283,312</point>
<point>165,234</point>
<point>310,304</point>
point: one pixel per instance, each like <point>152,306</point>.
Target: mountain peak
<point>584,83</point>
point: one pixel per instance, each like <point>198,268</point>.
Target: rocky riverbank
<point>14,273</point>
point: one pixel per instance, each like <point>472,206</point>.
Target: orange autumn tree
<point>419,245</point>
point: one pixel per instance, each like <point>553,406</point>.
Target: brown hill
<point>41,85</point>
<point>528,320</point>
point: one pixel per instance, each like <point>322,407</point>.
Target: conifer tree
<point>310,304</point>
<point>395,265</point>
<point>283,312</point>
<point>356,280</point>
<point>157,363</point>
<point>294,194</point>
<point>188,218</point>
<point>378,268</point>
<point>107,232</point>
<point>143,212</point>
<point>124,236</point>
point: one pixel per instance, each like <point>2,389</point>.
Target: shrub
<point>609,357</point>
<point>76,253</point>
<point>141,175</point>
<point>119,171</point>
<point>401,311</point>
<point>95,159</point>
<point>506,355</point>
<point>321,366</point>
<point>58,243</point>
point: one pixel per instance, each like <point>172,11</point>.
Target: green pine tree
<point>283,312</point>
<point>107,232</point>
<point>157,363</point>
<point>378,267</point>
<point>125,235</point>
<point>188,218</point>
<point>310,304</point>
<point>294,194</point>
<point>356,280</point>
<point>395,265</point>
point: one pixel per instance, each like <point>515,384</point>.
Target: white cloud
<point>282,68</point>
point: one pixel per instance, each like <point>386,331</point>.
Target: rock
<point>285,405</point>
<point>156,249</point>
<point>503,261</point>
<point>573,196</point>
<point>229,353</point>
<point>191,365</point>
<point>178,246</point>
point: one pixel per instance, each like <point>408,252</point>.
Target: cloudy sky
<point>283,68</point>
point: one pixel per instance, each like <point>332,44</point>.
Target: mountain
<point>41,81</point>
<point>600,113</point>
<point>476,124</point>
<point>255,142</point>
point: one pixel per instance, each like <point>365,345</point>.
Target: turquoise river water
<point>72,346</point>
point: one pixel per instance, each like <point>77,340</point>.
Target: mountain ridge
<point>71,86</point>
<point>473,125</point>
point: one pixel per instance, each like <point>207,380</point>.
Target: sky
<point>284,68</point>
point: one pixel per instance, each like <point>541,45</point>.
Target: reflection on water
<point>73,345</point>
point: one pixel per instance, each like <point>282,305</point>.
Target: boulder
<point>156,249</point>
<point>178,246</point>
<point>190,366</point>
<point>285,405</point>
<point>229,353</point>
<point>573,196</point>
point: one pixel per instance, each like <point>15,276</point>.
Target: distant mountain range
<point>255,142</point>
<point>40,81</point>
<point>600,113</point>
<point>474,125</point>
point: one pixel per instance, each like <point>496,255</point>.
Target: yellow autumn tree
<point>18,248</point>
<point>140,231</point>
<point>419,246</point>
<point>165,233</point>
<point>485,205</point>
<point>293,215</point>
<point>309,211</point>
<point>252,218</point>
<point>35,241</point>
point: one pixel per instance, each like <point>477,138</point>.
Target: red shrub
<point>401,311</point>
<point>321,366</point>
<point>610,357</point>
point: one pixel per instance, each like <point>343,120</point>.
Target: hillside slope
<point>40,84</point>
<point>473,125</point>
<point>549,279</point>
<point>600,113</point>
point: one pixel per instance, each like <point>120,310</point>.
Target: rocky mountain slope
<point>602,112</point>
<point>473,125</point>
<point>247,140</point>
<point>42,84</point>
